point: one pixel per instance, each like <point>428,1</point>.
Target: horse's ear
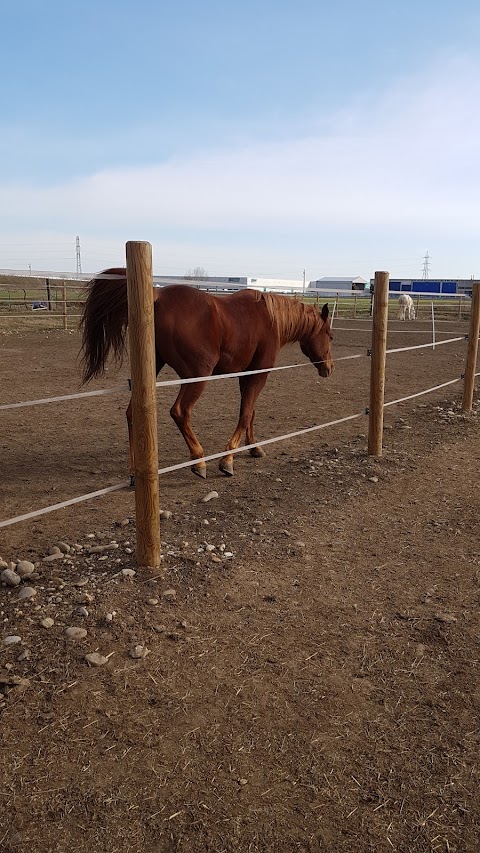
<point>325,312</point>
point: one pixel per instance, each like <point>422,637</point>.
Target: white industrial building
<point>274,285</point>
<point>334,284</point>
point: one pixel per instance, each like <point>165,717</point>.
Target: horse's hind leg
<point>181,413</point>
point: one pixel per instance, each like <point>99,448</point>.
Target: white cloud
<point>407,162</point>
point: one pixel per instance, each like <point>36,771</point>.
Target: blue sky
<point>258,138</point>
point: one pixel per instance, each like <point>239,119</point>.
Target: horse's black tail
<point>104,321</point>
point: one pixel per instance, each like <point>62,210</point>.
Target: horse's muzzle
<point>325,369</point>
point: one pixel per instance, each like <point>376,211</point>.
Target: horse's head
<point>316,345</point>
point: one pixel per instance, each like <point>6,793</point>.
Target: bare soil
<point>310,686</point>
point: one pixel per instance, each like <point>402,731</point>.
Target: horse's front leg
<point>257,452</point>
<point>250,387</point>
<point>181,413</point>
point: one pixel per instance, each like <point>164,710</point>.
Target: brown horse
<point>198,334</point>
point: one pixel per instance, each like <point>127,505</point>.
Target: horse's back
<point>225,330</point>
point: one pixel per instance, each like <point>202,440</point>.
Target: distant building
<point>442,286</point>
<point>273,285</point>
<point>337,283</point>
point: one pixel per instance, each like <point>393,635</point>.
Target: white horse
<point>406,307</point>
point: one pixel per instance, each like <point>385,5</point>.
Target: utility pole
<point>304,284</point>
<point>79,258</point>
<point>426,267</point>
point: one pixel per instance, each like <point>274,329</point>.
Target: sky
<point>259,138</point>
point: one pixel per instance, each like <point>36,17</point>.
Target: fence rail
<point>147,516</point>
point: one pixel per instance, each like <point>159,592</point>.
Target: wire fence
<point>176,467</point>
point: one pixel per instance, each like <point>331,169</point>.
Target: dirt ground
<point>301,675</point>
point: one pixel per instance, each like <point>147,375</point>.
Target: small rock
<point>81,582</point>
<point>25,655</point>
<point>139,652</point>
<point>58,555</point>
<point>25,568</point>
<point>152,601</point>
<point>54,550</point>
<point>215,558</point>
<point>82,611</point>
<point>96,659</point>
<point>128,573</point>
<point>165,513</point>
<point>11,640</point>
<point>3,564</point>
<point>209,497</point>
<point>48,622</point>
<point>26,593</point>
<point>64,548</point>
<point>373,479</point>
<point>445,617</point>
<point>170,594</point>
<point>108,617</point>
<point>76,633</point>
<point>10,578</point>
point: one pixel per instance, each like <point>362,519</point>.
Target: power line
<point>79,257</point>
<point>426,267</point>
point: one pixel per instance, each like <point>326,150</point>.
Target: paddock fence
<point>45,300</point>
<point>143,382</point>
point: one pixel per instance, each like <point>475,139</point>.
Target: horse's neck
<point>295,320</point>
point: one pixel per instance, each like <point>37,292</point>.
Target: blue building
<point>442,286</point>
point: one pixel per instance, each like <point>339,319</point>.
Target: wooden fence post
<point>377,370</point>
<point>472,349</point>
<point>64,306</point>
<point>144,401</point>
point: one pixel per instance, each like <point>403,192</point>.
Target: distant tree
<point>197,272</point>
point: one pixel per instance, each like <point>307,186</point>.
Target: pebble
<point>3,564</point>
<point>76,633</point>
<point>209,497</point>
<point>152,601</point>
<point>63,547</point>
<point>48,622</point>
<point>11,640</point>
<point>108,617</point>
<point>25,655</point>
<point>26,592</point>
<point>128,573</point>
<point>170,594</point>
<point>57,555</point>
<point>82,611</point>
<point>373,479</point>
<point>25,568</point>
<point>139,652</point>
<point>165,513</point>
<point>54,550</point>
<point>96,659</point>
<point>10,577</point>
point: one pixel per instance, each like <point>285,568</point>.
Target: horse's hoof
<point>200,470</point>
<point>257,452</point>
<point>226,468</point>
